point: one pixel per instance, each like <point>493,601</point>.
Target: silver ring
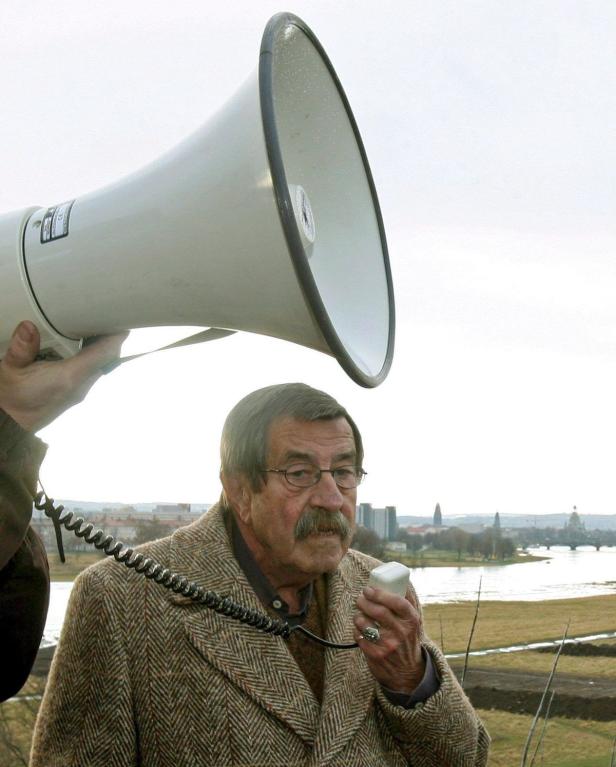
<point>371,634</point>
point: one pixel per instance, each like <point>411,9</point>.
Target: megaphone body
<point>265,220</point>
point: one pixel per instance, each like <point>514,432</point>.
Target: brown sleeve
<point>24,573</point>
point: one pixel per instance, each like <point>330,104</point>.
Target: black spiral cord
<point>179,584</point>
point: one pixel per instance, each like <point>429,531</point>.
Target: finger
<point>372,615</point>
<point>411,596</point>
<point>24,345</point>
<point>93,357</point>
<point>373,598</point>
<point>362,622</point>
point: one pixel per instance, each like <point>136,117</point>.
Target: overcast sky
<point>489,127</point>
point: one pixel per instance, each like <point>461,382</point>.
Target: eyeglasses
<point>307,475</point>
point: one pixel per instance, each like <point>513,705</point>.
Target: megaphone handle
<point>211,334</point>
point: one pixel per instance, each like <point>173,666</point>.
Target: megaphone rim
<point>299,257</point>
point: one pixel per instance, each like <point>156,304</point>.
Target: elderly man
<point>143,676</point>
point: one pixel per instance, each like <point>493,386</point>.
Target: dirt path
<point>520,692</point>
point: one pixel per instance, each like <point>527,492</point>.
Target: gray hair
<point>245,436</point>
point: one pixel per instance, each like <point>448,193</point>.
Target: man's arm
<point>443,731</point>
<point>440,731</point>
<point>24,574</point>
<point>32,394</point>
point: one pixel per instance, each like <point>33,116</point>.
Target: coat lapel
<point>349,686</point>
<point>258,663</point>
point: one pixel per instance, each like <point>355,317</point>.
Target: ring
<point>371,634</point>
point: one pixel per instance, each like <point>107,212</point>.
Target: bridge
<point>573,544</point>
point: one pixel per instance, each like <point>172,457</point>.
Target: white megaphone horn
<point>265,220</point>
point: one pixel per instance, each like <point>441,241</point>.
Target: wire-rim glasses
<point>307,475</point>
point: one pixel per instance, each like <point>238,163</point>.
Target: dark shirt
<point>262,587</point>
<point>24,573</point>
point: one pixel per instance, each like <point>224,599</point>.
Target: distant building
<point>121,523</point>
<point>172,511</point>
<point>383,522</point>
<point>396,546</point>
<point>424,529</point>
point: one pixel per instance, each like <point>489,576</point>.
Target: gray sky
<point>490,132</point>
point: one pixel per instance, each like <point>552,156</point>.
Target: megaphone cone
<point>265,220</point>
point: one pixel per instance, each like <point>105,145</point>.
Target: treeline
<point>489,543</point>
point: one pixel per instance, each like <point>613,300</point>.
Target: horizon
<point>488,515</point>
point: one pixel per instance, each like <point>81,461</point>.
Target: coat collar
<point>261,664</point>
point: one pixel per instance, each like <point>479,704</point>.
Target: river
<point>566,574</point>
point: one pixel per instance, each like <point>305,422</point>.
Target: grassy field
<point>567,742</point>
<point>17,723</point>
<point>76,561</point>
<point>542,663</point>
<point>506,623</point>
<point>442,558</point>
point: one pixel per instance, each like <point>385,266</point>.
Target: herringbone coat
<point>145,677</point>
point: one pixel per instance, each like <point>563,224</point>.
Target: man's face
<point>272,513</point>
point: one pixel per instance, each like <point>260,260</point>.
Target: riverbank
<point>76,561</point>
<point>500,624</point>
<point>443,558</point>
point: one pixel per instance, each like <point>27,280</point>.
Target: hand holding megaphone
<point>264,220</point>
<point>33,392</point>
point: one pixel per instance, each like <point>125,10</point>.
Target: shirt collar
<point>262,587</point>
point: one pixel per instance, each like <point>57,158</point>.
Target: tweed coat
<point>145,677</point>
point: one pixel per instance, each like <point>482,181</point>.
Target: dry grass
<point>76,561</point>
<point>502,624</point>
<point>17,723</point>
<point>542,663</point>
<point>567,742</point>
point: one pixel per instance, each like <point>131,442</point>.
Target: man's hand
<point>396,660</point>
<point>35,393</point>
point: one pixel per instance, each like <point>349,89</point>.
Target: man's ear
<point>238,493</point>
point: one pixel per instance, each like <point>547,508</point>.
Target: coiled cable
<point>153,570</point>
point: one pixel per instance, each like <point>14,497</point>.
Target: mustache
<point>318,520</point>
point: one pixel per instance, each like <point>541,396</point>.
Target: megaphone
<point>265,220</point>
